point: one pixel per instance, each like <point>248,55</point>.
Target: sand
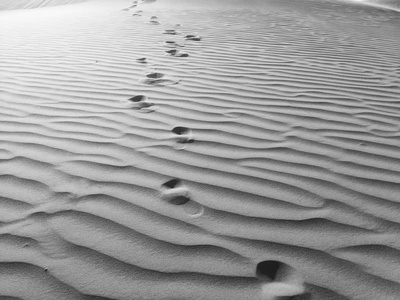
<point>259,159</point>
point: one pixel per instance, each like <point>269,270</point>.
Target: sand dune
<point>24,4</point>
<point>387,4</point>
<point>237,150</point>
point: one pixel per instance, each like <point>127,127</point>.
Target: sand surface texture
<point>199,150</point>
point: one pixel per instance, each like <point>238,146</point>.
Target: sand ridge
<point>264,163</point>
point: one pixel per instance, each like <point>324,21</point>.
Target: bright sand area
<point>199,150</point>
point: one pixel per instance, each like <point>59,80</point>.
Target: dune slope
<point>257,159</point>
<point>27,4</point>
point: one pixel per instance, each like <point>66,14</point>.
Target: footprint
<point>279,280</point>
<point>140,103</point>
<point>182,136</point>
<point>132,6</point>
<point>155,75</point>
<point>154,20</point>
<point>181,54</point>
<point>159,82</point>
<point>191,37</point>
<point>175,193</point>
<point>176,53</point>
<point>170,31</point>
<point>156,78</point>
<point>138,13</point>
<point>172,44</point>
<point>172,51</point>
<point>142,60</point>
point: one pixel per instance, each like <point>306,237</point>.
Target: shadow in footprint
<point>191,37</point>
<point>182,136</point>
<point>172,44</point>
<point>155,75</point>
<point>170,31</point>
<point>268,269</point>
<point>140,103</point>
<point>175,193</point>
<point>130,7</point>
<point>142,60</point>
<point>172,51</point>
<point>157,79</point>
<point>281,281</point>
<point>176,53</point>
<point>154,20</point>
<point>305,296</point>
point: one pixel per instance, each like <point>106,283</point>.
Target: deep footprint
<point>281,280</point>
<point>268,269</point>
<point>175,193</point>
<point>185,134</point>
<point>182,136</point>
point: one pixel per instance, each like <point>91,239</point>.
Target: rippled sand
<point>195,149</point>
